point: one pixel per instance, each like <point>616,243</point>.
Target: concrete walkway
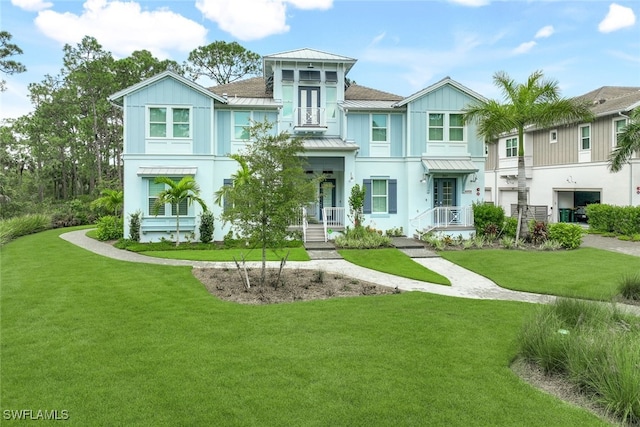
<point>464,283</point>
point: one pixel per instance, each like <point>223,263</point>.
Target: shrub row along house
<point>421,165</point>
<point>567,166</point>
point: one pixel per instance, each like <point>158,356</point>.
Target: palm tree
<point>628,142</point>
<point>185,189</point>
<point>536,103</point>
<point>242,176</point>
<point>111,200</point>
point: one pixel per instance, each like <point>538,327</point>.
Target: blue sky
<point>401,46</point>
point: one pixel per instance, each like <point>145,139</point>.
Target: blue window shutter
<point>393,196</point>
<point>225,204</point>
<point>366,183</point>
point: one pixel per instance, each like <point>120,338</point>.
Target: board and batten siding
<point>168,92</point>
<point>565,151</point>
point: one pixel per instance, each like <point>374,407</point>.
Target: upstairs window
<point>512,147</point>
<point>446,127</point>
<point>585,137</point>
<point>169,122</point>
<point>287,75</point>
<point>331,76</point>
<point>310,75</point>
<point>379,127</point>
<point>241,123</point>
<point>618,126</point>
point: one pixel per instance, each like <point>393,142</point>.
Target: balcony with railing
<point>310,118</point>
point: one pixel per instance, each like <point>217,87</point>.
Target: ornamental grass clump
<point>13,228</point>
<point>594,346</point>
<point>629,286</point>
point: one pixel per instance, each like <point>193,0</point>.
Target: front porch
<point>318,230</point>
<point>450,220</point>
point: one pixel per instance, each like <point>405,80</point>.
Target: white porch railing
<point>310,117</point>
<point>443,217</point>
<point>332,217</point>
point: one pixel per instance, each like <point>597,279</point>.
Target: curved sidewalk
<point>464,283</point>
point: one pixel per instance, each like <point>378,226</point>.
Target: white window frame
<point>386,128</point>
<point>234,125</point>
<point>513,148</point>
<point>169,122</point>
<point>446,127</point>
<point>380,196</point>
<point>553,136</point>
<point>168,211</point>
<point>581,138</point>
<point>615,129</point>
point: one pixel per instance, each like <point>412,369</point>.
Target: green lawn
<point>118,343</point>
<point>295,254</point>
<point>392,261</point>
<point>584,273</point>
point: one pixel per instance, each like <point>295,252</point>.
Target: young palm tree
<point>111,200</point>
<point>186,189</point>
<point>242,176</point>
<point>628,142</point>
<point>534,103</point>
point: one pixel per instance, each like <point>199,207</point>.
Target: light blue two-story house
<point>421,165</point>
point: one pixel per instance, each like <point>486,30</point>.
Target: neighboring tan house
<point>422,167</point>
<point>567,166</point>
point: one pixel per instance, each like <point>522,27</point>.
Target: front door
<point>444,195</point>
<point>309,106</point>
<point>327,195</point>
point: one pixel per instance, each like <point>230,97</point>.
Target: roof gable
<point>118,96</point>
<point>434,87</point>
<point>612,99</point>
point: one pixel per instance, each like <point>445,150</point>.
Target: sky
<point>401,47</point>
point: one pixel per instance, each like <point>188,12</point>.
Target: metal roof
<point>307,54</point>
<point>167,170</point>
<point>253,102</point>
<point>368,105</point>
<point>463,165</point>
<point>330,144</point>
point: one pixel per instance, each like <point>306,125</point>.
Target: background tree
<point>534,103</point>
<point>8,49</point>
<point>185,190</point>
<point>269,200</point>
<point>627,144</point>
<point>222,62</point>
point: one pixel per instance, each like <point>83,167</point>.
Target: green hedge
<point>623,220</point>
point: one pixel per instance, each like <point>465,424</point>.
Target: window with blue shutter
<point>381,196</point>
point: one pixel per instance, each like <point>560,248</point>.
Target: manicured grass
<point>392,261</point>
<point>118,343</point>
<point>295,254</point>
<point>584,273</point>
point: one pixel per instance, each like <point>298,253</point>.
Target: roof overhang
<point>167,170</point>
<point>449,165</point>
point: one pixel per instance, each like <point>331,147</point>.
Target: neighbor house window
<point>154,191</point>
<point>287,101</point>
<point>241,123</point>
<point>553,136</point>
<point>618,126</point>
<point>379,127</point>
<point>379,196</point>
<point>456,127</point>
<point>436,127</point>
<point>585,137</point>
<point>331,101</point>
<point>512,147</point>
<point>169,122</point>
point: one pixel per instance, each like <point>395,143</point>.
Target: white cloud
<point>618,17</point>
<point>471,3</point>
<point>544,32</point>
<point>254,19</point>
<point>524,47</point>
<point>123,27</point>
<point>377,39</point>
<point>32,5</point>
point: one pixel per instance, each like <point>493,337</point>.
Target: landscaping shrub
<point>72,213</point>
<point>509,227</point>
<point>110,228</point>
<point>485,214</point>
<point>568,235</point>
<point>538,232</point>
<point>22,225</point>
<point>362,238</point>
<point>134,226</point>
<point>614,219</point>
<point>206,227</point>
